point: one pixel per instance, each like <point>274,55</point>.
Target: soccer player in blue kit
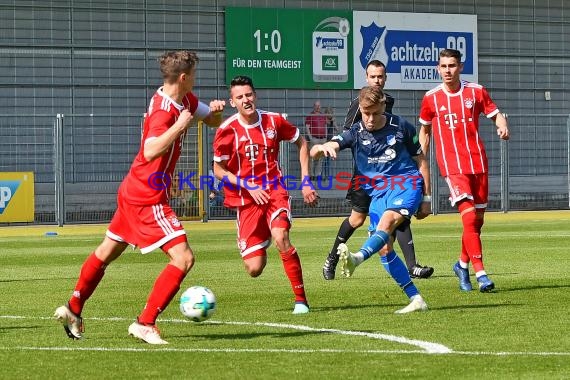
<point>395,174</point>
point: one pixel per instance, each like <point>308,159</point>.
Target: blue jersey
<point>383,154</point>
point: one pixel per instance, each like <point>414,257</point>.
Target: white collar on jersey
<point>247,126</point>
<point>180,107</point>
<point>453,93</point>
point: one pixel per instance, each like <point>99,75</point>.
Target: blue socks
<point>391,262</point>
<point>374,243</point>
<point>399,272</point>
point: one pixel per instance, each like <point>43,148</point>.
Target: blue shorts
<point>405,201</point>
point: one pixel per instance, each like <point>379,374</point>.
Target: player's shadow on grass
<point>247,336</point>
<point>4,329</point>
<point>352,307</point>
<point>532,287</point>
<point>464,306</point>
<point>452,275</point>
<point>37,279</point>
<point>389,308</point>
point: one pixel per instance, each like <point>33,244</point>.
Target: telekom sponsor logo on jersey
<point>341,181</point>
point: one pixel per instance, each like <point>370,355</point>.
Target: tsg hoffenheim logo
<point>7,191</point>
<point>373,44</point>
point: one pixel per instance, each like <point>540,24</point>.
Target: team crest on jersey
<point>468,103</point>
<point>174,221</point>
<point>242,244</point>
<point>398,202</point>
<point>391,140</point>
<point>270,133</point>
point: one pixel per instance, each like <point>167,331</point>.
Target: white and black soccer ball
<point>197,303</point>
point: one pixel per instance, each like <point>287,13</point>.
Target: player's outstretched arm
<point>157,146</point>
<point>310,195</point>
<point>328,149</point>
<point>214,118</point>
<point>424,137</point>
<point>222,173</point>
<point>502,126</point>
<point>423,167</point>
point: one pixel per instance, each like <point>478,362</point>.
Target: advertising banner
<point>329,49</point>
<point>409,45</point>
<point>16,197</point>
<point>289,48</point>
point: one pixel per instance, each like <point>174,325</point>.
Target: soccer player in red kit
<point>246,148</point>
<point>143,217</point>
<point>451,110</point>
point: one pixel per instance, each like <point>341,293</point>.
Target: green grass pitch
<point>521,331</point>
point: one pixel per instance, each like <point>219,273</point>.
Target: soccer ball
<point>198,303</point>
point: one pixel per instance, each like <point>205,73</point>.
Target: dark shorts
<point>358,199</point>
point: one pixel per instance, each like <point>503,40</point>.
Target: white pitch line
<point>277,350</point>
<point>227,350</point>
<point>428,347</point>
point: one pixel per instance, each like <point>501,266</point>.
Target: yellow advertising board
<point>16,197</point>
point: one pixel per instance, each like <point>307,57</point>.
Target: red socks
<point>471,239</point>
<point>90,275</point>
<point>165,288</point>
<point>292,266</point>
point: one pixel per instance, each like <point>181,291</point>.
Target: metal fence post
<point>283,157</point>
<point>505,201</point>
<point>204,166</point>
<point>59,171</point>
<point>434,174</point>
<point>568,155</point>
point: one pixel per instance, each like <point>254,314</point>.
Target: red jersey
<point>454,118</point>
<point>147,182</point>
<point>251,152</point>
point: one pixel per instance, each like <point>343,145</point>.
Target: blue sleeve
<point>346,139</point>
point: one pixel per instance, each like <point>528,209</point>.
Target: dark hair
<point>174,63</point>
<point>375,63</point>
<point>242,80</point>
<point>451,53</point>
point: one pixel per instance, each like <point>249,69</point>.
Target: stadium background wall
<point>94,63</point>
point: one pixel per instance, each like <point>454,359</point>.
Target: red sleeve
<point>223,144</point>
<point>158,123</point>
<point>287,131</point>
<point>488,105</point>
<point>426,111</point>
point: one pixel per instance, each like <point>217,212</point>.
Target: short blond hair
<point>371,95</point>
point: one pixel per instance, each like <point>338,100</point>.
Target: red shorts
<point>255,222</point>
<point>148,227</point>
<point>468,186</point>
